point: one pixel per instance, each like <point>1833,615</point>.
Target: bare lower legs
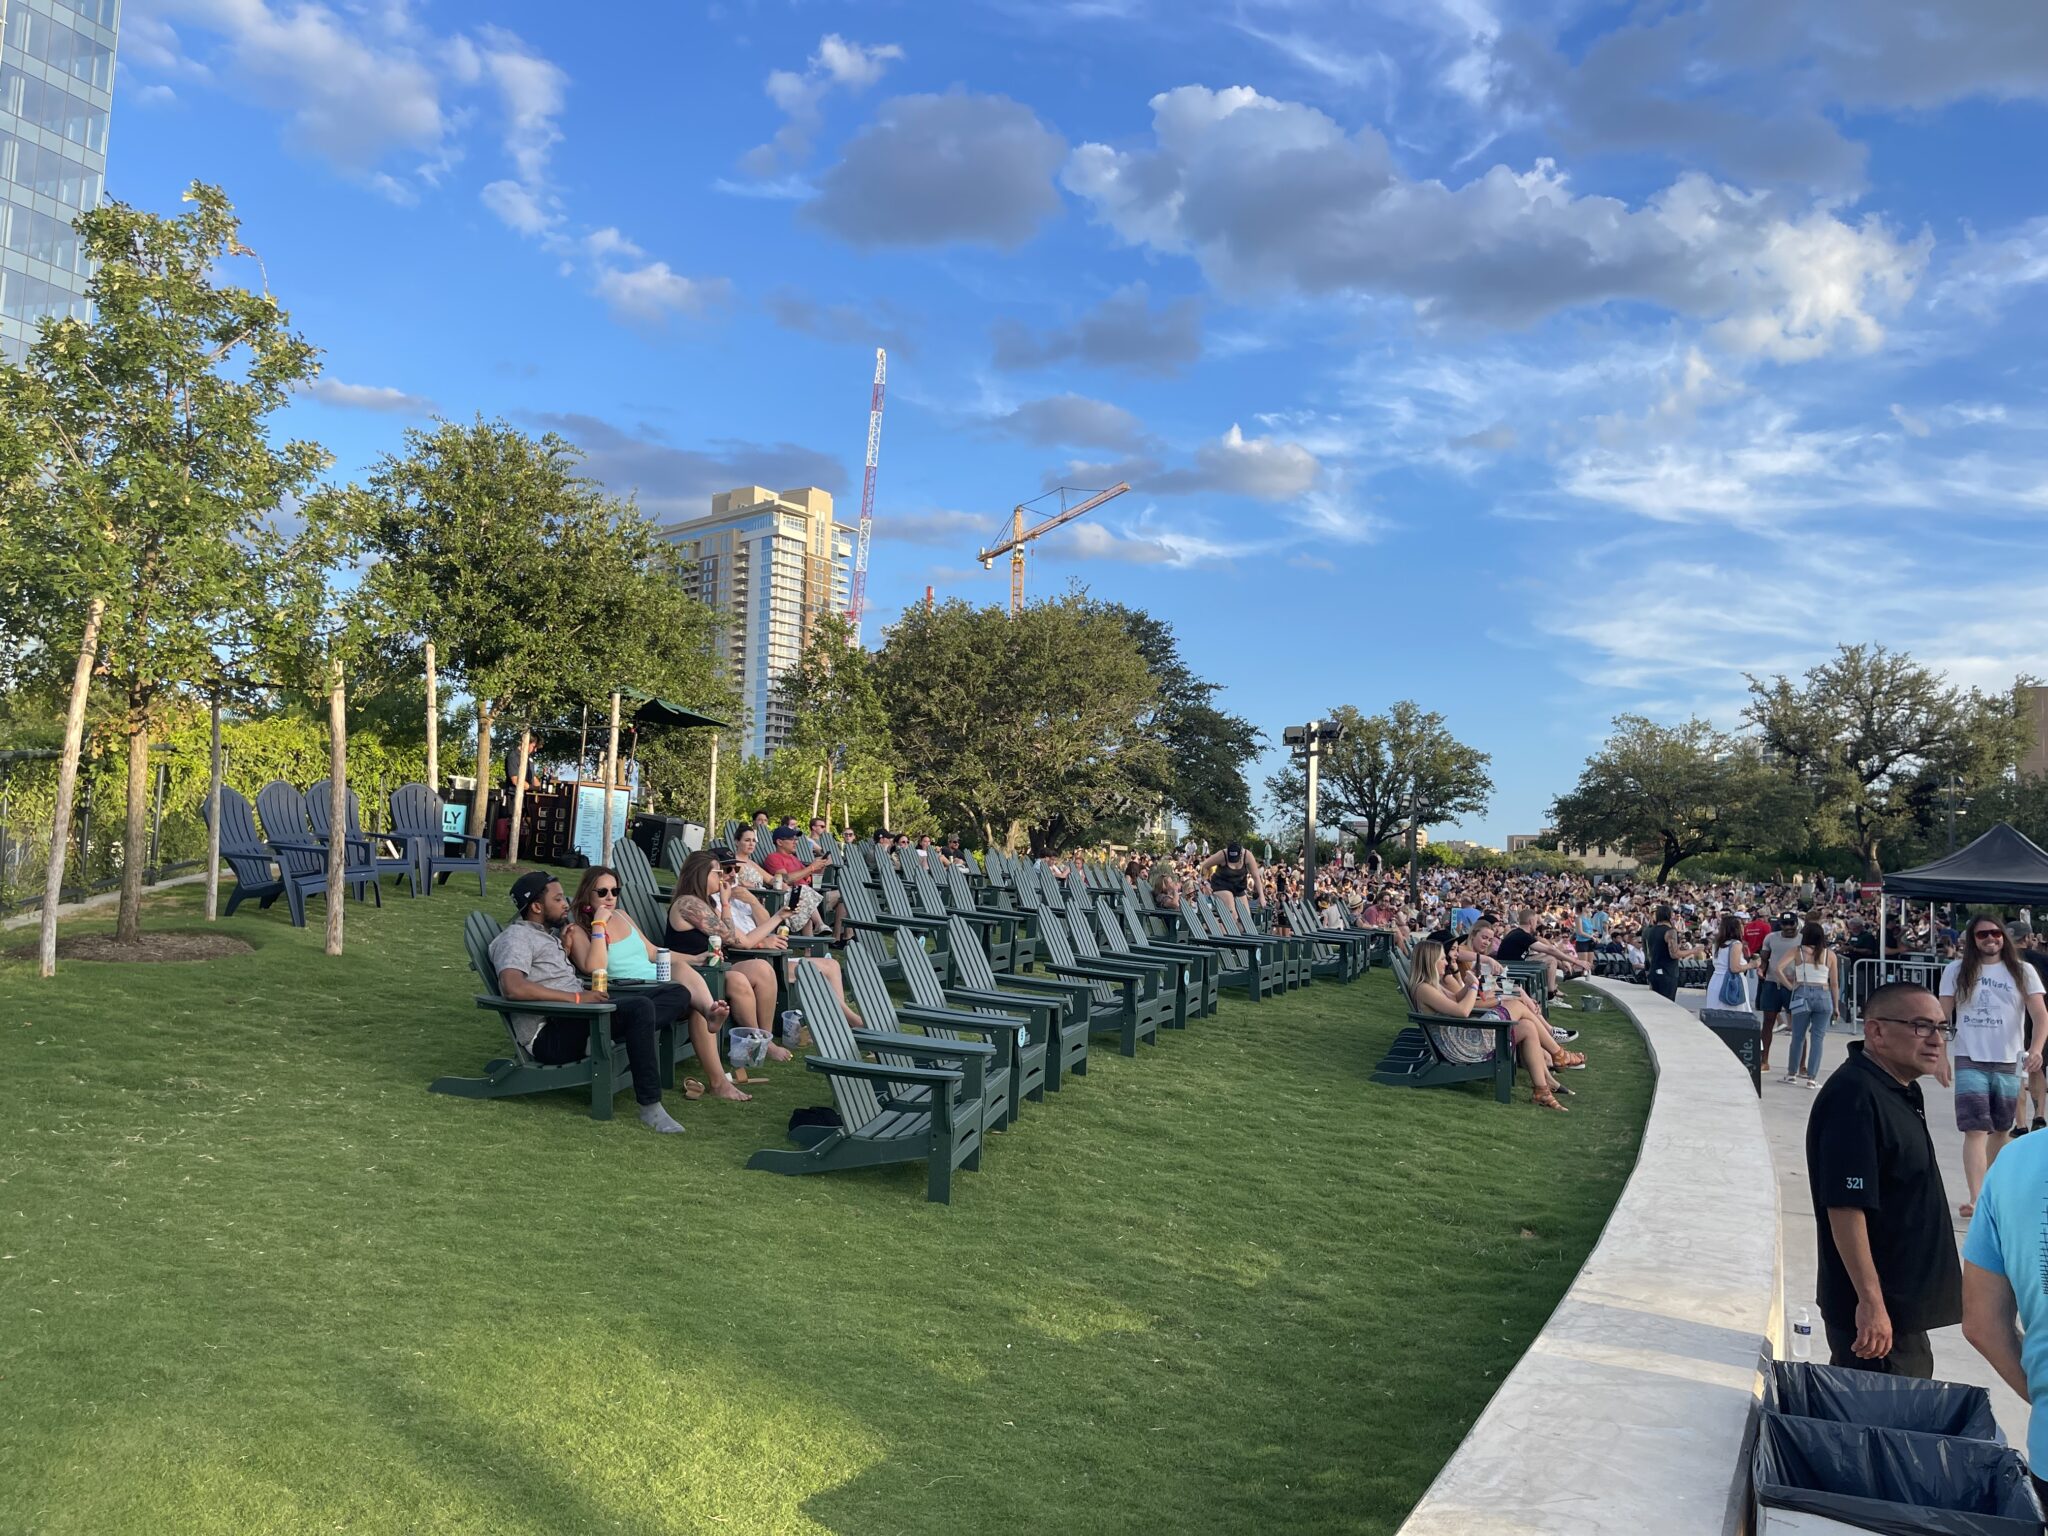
<point>1529,1041</point>
<point>1770,1023</point>
<point>1980,1151</point>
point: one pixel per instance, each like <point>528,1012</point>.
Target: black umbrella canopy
<point>2003,866</point>
<point>648,710</point>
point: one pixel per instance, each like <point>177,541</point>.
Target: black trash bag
<point>1844,1396</point>
<point>1893,1481</point>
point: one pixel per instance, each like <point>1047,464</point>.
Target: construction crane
<point>859,599</point>
<point>1020,535</point>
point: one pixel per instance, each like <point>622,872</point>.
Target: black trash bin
<point>1891,1481</point>
<point>1844,1396</point>
<point>1743,1033</point>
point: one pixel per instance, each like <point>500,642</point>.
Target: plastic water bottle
<point>1802,1334</point>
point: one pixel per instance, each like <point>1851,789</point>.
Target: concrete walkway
<point>1784,1110</point>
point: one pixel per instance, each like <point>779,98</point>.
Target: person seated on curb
<point>533,967</point>
<point>813,906</point>
<point>601,937</point>
<point>1463,996</point>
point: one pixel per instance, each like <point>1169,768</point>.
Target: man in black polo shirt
<point>1888,1267</point>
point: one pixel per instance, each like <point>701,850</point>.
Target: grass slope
<point>254,1278</point>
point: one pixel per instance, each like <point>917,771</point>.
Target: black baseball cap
<point>1788,919</point>
<point>724,854</point>
<point>1234,849</point>
<point>784,835</point>
<point>529,888</point>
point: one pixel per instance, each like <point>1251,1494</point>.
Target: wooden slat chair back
<point>1283,953</point>
<point>1242,966</point>
<point>924,890</point>
<point>1164,1004</point>
<point>1200,970</point>
<point>992,931</point>
<point>673,852</point>
<point>1012,945</point>
<point>866,930</point>
<point>1020,1045</point>
<point>1338,954</point>
<point>1062,1009</point>
<point>604,1070</point>
<point>731,837</point>
<point>301,861</point>
<point>803,850</point>
<point>879,1011</point>
<point>416,823</point>
<point>243,848</point>
<point>637,894</point>
<point>362,850</point>
<point>1115,999</point>
<point>944,1132</point>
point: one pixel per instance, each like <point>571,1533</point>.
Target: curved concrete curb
<point>1634,1408</point>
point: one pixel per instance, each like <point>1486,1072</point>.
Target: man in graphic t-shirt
<point>1771,997</point>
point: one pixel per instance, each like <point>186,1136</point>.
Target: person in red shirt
<point>813,906</point>
<point>1754,932</point>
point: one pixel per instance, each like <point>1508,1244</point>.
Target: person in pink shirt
<point>813,906</point>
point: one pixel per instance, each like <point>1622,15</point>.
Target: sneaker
<point>1811,1082</point>
<point>1564,1036</point>
<point>1789,1077</point>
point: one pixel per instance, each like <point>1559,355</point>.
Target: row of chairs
<point>288,856</point>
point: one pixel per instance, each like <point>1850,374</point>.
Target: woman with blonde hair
<point>601,937</point>
<point>1462,998</point>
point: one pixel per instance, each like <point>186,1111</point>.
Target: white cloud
<point>653,294</point>
<point>800,97</point>
<point>1263,468</point>
<point>519,207</point>
<point>1272,196</point>
<point>368,397</point>
<point>533,92</point>
<point>933,170</point>
<point>151,96</point>
<point>1911,425</point>
<point>1072,419</point>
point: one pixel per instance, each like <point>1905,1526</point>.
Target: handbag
<point>1733,993</point>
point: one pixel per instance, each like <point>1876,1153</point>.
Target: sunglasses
<point>603,891</point>
<point>1988,933</point>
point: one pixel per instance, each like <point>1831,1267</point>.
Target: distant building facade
<point>2034,759</point>
<point>56,101</point>
<point>772,562</point>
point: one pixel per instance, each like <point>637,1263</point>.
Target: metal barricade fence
<point>1866,976</point>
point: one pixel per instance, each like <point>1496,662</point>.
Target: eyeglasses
<point>1923,1029</point>
<point>601,892</point>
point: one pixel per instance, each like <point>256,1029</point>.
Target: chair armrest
<point>947,1018</point>
<point>881,1072</point>
<point>1050,1006</point>
<point>564,1010</point>
<point>921,1045</point>
<point>985,919</point>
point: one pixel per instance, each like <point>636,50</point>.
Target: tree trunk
<point>337,805</point>
<point>433,724</point>
<point>1872,868</point>
<point>67,785</point>
<point>480,798</point>
<point>519,795</point>
<point>1670,862</point>
<point>213,775</point>
<point>135,829</point>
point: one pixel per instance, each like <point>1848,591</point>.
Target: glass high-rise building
<point>771,563</point>
<point>56,96</point>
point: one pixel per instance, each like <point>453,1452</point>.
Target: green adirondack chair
<point>1293,953</point>
<point>1020,935</point>
<point>1338,954</point>
<point>1268,968</point>
<point>1116,997</point>
<point>1417,1058</point>
<point>1020,1044</point>
<point>1059,1009</point>
<point>1201,970</point>
<point>868,933</point>
<point>876,1129</point>
<point>880,1011</point>
<point>996,930</point>
<point>1167,1005</point>
<point>604,1071</point>
<point>897,908</point>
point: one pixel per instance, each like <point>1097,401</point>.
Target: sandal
<point>1572,1059</point>
<point>1544,1099</point>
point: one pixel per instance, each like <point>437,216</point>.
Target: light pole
<point>1309,742</point>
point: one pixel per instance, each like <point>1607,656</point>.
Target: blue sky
<point>1537,362</point>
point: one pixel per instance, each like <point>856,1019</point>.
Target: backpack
<point>1733,993</point>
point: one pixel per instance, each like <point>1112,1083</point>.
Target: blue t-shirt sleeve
<point>1981,1246</point>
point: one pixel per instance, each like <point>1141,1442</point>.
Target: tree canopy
<point>1386,768</point>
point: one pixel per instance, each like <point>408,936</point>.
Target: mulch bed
<point>152,948</point>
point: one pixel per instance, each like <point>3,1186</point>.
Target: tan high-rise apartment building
<point>772,562</point>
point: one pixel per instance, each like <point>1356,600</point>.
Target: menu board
<point>589,820</point>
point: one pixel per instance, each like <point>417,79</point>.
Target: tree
<point>1386,769</point>
<point>1673,792</point>
<point>1206,748</point>
<point>1873,736</point>
<point>157,480</point>
<point>1038,722</point>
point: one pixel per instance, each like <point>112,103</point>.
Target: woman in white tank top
<point>1812,976</point>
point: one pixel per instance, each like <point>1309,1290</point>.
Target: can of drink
<point>662,970</point>
<point>600,980</point>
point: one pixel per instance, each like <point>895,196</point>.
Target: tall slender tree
<point>148,427</point>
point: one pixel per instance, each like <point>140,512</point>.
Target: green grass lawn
<point>254,1278</point>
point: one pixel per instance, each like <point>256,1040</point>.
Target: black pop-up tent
<point>2001,868</point>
